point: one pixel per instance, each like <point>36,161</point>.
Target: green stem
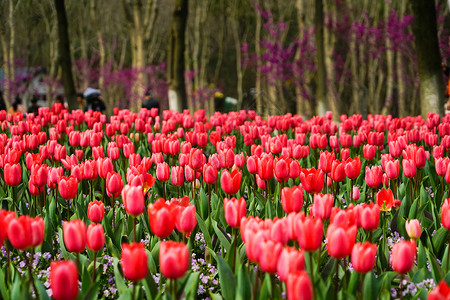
<point>133,295</point>
<point>93,271</point>
<point>134,229</point>
<point>174,288</point>
<point>30,272</point>
<point>336,278</point>
<point>235,236</point>
<point>113,206</point>
<point>310,254</point>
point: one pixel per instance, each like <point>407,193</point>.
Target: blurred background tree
<point>272,56</point>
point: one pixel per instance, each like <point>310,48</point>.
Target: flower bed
<point>233,206</point>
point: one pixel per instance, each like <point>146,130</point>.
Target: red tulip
<point>173,259</point>
<point>403,256</point>
<point>114,184</point>
<point>281,169</point>
<point>95,237</point>
<point>373,176</point>
<point>440,292</point>
<point>322,206</point>
<point>392,169</point>
<point>162,219</point>
<point>133,200</point>
<point>441,165</point>
<point>134,261</point>
<point>292,199</point>
<point>352,167</point>
<point>413,229</point>
<point>90,169</point>
<point>20,233</point>
<point>12,174</point>
<point>196,159</point>
<point>177,175</point>
<point>265,167</point>
<point>96,211</point>
<point>326,160</point>
<point>356,193</point>
<point>68,187</point>
<point>231,182</point>
<point>39,175</point>
<point>369,216</point>
<point>338,171</point>
<point>445,214</point>
<point>385,199</point>
<point>64,280</point>
<point>104,167</point>
<point>74,233</point>
<point>409,168</point>
<point>163,172</point>
<point>309,232</point>
<point>299,286</point>
<point>364,257</point>
<point>369,151</point>
<point>239,160</point>
<point>312,180</point>
<point>291,260</point>
<point>268,258</point>
<point>340,240</point>
<point>209,173</point>
<point>235,210</point>
<point>186,219</point>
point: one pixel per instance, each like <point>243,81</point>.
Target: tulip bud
<point>403,256</point>
<point>413,229</point>
<point>173,259</point>
<point>162,219</point>
<point>234,211</point>
<point>134,261</point>
<point>292,199</point>
<point>95,237</point>
<point>133,200</point>
<point>299,286</point>
<point>64,280</point>
<point>364,257</point>
<point>74,233</point>
<point>96,211</point>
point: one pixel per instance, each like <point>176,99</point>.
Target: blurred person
<point>94,100</point>
<point>17,106</point>
<point>2,102</point>
<point>34,108</point>
<point>149,101</point>
<point>80,100</point>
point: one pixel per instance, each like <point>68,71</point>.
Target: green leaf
<point>436,270</point>
<point>413,209</point>
<point>151,290</point>
<point>222,238</point>
<point>227,280</point>
<point>243,284</point>
<point>42,292</point>
<point>369,287</point>
<point>421,257</point>
<point>266,289</point>
<point>204,230</point>
<point>120,283</point>
<point>17,291</point>
<point>3,290</point>
<point>215,296</point>
<point>353,284</point>
<point>439,239</point>
<point>190,289</point>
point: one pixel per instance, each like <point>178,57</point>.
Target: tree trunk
<point>258,87</point>
<point>237,48</point>
<point>322,105</point>
<point>390,64</point>
<point>428,56</point>
<point>64,52</point>
<point>177,86</point>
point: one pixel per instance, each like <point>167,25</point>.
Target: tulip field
<point>234,206</point>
